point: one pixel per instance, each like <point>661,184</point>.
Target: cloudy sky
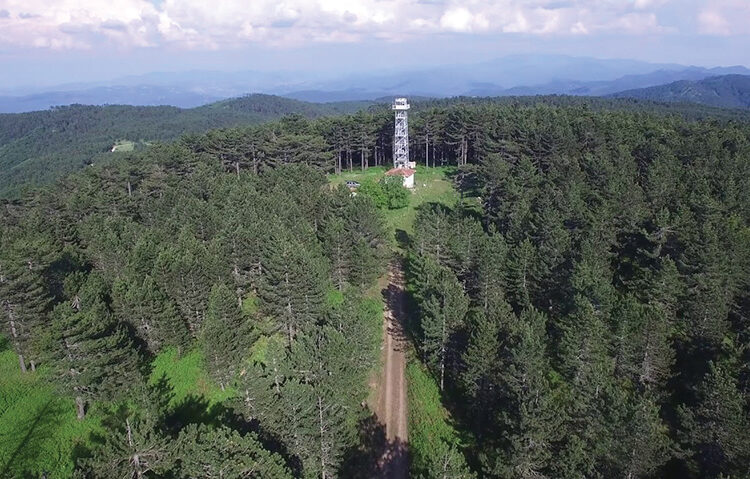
<point>53,41</point>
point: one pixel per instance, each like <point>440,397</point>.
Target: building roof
<point>400,172</point>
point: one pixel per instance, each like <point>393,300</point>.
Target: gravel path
<point>391,410</point>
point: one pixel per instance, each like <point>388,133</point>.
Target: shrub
<point>373,190</point>
<point>396,195</point>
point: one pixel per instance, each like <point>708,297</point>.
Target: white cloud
<point>457,19</point>
<point>638,23</point>
<point>725,17</point>
<point>201,24</point>
<point>579,29</point>
<point>643,4</point>
<point>713,23</point>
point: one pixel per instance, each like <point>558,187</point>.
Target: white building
<point>407,174</point>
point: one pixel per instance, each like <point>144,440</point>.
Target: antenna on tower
<point>401,134</point>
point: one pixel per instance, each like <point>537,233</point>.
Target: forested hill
<point>588,317</point>
<point>38,147</point>
<point>727,91</point>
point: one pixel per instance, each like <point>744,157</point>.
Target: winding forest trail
<point>391,406</point>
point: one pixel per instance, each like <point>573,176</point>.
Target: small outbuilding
<point>407,175</point>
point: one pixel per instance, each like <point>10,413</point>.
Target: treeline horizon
<point>37,148</point>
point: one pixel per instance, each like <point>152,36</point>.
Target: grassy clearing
<point>188,379</point>
<point>431,185</point>
<point>123,146</point>
<point>39,431</point>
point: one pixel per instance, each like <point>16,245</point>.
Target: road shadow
<point>402,239</point>
<point>374,456</point>
<point>394,297</point>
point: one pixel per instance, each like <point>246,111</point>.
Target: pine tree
<point>24,300</point>
<point>448,462</point>
<point>592,278</point>
<point>481,355</point>
<point>703,330</point>
<point>465,244</point>
<point>589,369</point>
<point>184,272</point>
<point>511,191</point>
<point>480,379</point>
<point>336,241</point>
<point>432,233</point>
<point>490,284</point>
<point>643,445</point>
<point>297,394</point>
<point>359,321</point>
<point>716,428</point>
<point>91,355</point>
<point>520,275</point>
<point>204,452</point>
<point>710,288</point>
<point>293,283</point>
<point>643,350</point>
<point>150,312</point>
<point>367,244</point>
<point>224,335</point>
<point>260,383</point>
<point>323,358</point>
<point>553,243</point>
<point>134,449</point>
<point>26,252</point>
<point>443,313</point>
<point>534,417</point>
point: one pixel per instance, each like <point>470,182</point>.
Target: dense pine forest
<point>581,310</point>
<point>39,147</point>
<point>592,320</point>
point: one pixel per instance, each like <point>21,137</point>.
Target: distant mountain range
<point>509,76</point>
<point>728,91</point>
<point>554,87</point>
<point>141,95</point>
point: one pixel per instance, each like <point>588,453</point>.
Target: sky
<point>48,42</point>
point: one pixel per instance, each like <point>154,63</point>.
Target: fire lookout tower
<point>401,165</point>
<point>401,134</point>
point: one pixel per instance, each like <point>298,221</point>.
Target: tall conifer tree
<point>91,354</point>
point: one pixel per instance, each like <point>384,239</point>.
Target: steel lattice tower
<point>401,134</point>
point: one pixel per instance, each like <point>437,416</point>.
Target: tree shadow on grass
<point>195,409</point>
<point>42,426</point>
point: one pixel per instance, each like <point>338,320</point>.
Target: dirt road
<point>391,407</point>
